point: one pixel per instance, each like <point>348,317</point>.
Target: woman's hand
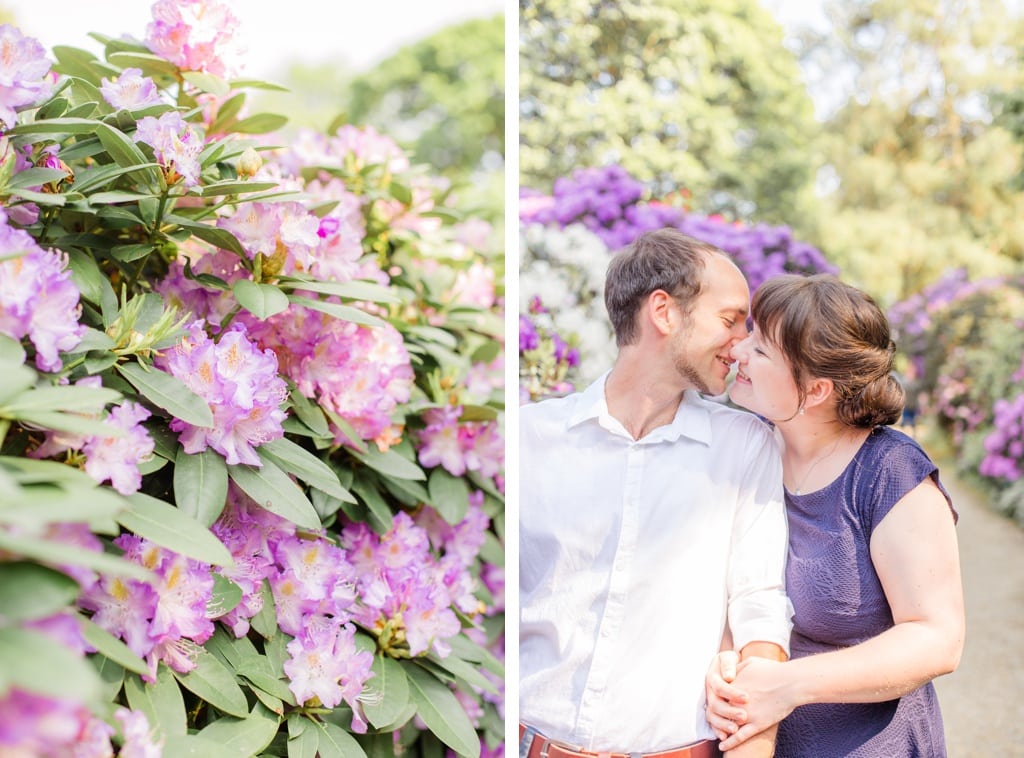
<point>761,683</point>
<point>724,711</point>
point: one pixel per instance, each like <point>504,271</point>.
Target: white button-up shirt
<point>632,555</point>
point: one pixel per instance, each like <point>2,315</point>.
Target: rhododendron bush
<point>251,493</point>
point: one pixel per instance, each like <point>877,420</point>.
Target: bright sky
<point>358,34</point>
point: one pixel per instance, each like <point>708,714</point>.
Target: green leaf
<point>272,489</point>
<point>260,123</point>
<point>161,701</point>
<point>200,484</point>
<point>126,153</point>
<point>70,422</point>
<point>17,378</point>
<point>169,393</point>
<point>62,398</point>
<point>34,177</point>
<point>217,237</point>
<point>243,737</point>
<point>386,694</point>
<point>235,187</point>
<point>302,737</point>
<point>380,513</point>
<point>207,82</point>
<point>60,126</point>
<point>212,682</point>
<point>111,647</point>
<point>266,682</point>
<point>62,554</point>
<point>337,310</point>
<point>449,495</point>
<point>261,300</point>
<point>191,746</point>
<point>36,663</point>
<point>465,671</point>
<point>442,713</point>
<point>309,413</point>
<point>35,505</point>
<point>389,463</point>
<point>335,742</point>
<point>129,253</point>
<point>174,529</point>
<point>226,596</point>
<point>30,591</point>
<point>298,461</point>
<point>352,290</point>
<point>151,65</point>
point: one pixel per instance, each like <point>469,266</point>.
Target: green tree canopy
<point>919,179</point>
<point>681,93</point>
<point>443,95</point>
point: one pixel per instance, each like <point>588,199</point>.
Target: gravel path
<point>982,700</point>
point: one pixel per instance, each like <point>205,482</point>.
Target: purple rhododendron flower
<point>460,447</point>
<point>118,458</point>
<point>37,297</point>
<point>23,70</point>
<point>140,739</point>
<point>241,385</point>
<point>131,90</point>
<point>176,146</point>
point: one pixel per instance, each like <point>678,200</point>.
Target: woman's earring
<point>801,410</point>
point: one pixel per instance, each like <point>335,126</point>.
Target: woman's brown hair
<point>831,330</point>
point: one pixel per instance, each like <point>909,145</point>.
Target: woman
<point>873,568</point>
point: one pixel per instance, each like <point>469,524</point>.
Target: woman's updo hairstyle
<point>830,330</point>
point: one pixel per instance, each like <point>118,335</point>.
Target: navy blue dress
<point>838,602</point>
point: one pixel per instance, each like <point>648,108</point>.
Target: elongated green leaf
<point>335,742</point>
<point>243,737</point>
<point>235,187</point>
<point>226,112</point>
<point>191,746</point>
<point>35,505</point>
<point>169,393</point>
<point>61,554</point>
<point>129,253</point>
<point>79,63</point>
<point>37,663</point>
<point>386,694</point>
<point>449,494</point>
<point>110,646</point>
<point>174,529</point>
<point>62,398</point>
<point>309,413</point>
<point>17,378</point>
<point>260,123</point>
<point>90,179</point>
<point>69,422</point>
<point>467,672</point>
<point>212,682</point>
<point>151,65</point>
<point>60,126</point>
<point>119,146</point>
<point>380,515</point>
<point>215,236</point>
<point>200,484</point>
<point>30,591</point>
<point>390,463</point>
<point>303,464</point>
<point>343,312</point>
<point>353,290</point>
<point>42,198</point>
<point>117,196</point>
<point>270,684</point>
<point>261,300</point>
<point>226,596</point>
<point>272,489</point>
<point>34,177</point>
<point>161,701</point>
<point>302,737</point>
<point>441,712</point>
<point>207,82</point>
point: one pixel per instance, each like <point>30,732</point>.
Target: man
<point>651,522</point>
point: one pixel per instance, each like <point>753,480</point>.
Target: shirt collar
<point>692,419</point>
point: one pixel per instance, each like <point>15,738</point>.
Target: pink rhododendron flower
<point>118,458</point>
<point>460,447</point>
<point>37,297</point>
<point>176,146</point>
<point>285,229</point>
<point>23,70</point>
<point>474,286</point>
<point>195,35</point>
<point>36,725</point>
<point>360,373</point>
<point>325,664</point>
<point>140,739</point>
<point>131,90</point>
<point>240,384</point>
<point>191,296</point>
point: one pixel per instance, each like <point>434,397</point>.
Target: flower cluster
<point>176,146</point>
<point>460,446</point>
<point>195,35</point>
<point>1004,445</point>
<point>115,457</point>
<point>239,382</point>
<point>38,300</point>
<point>159,621</point>
<point>546,360</point>
<point>23,70</point>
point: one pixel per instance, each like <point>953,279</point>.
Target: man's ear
<point>661,311</point>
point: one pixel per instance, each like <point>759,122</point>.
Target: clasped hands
<point>744,697</point>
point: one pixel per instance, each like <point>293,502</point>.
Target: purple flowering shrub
<point>567,238</point>
<point>965,339</point>
<point>251,438</point>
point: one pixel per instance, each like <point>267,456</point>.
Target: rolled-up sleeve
<point>759,609</point>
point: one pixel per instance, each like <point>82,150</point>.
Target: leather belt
<point>540,746</point>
